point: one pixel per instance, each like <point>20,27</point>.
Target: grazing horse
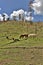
<point>23,36</point>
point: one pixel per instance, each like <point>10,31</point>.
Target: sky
<point>8,6</point>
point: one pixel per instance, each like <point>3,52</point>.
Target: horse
<point>32,35</point>
<point>23,36</point>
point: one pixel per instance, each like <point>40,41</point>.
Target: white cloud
<point>37,6</point>
<point>16,14</point>
<point>1,18</point>
<point>28,18</point>
<point>6,16</point>
<point>23,13</point>
<point>11,16</point>
<point>20,11</point>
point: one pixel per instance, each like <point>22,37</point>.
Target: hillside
<point>25,51</point>
<point>14,29</point>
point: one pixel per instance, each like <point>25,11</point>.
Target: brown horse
<point>24,36</point>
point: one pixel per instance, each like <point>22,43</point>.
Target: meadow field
<point>25,51</point>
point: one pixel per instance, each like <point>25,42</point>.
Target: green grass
<point>20,56</point>
<point>14,29</point>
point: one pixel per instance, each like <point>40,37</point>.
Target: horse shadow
<point>13,41</point>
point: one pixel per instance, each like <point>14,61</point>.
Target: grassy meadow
<point>10,54</point>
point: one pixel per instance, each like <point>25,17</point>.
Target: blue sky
<point>8,6</point>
